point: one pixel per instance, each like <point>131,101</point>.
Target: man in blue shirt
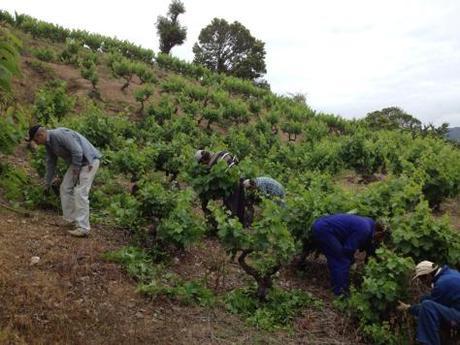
<point>441,307</point>
<point>338,237</point>
<point>83,161</point>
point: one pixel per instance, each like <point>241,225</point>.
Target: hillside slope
<point>148,115</point>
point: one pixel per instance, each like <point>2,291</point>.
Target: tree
<point>231,49</point>
<point>168,28</point>
<point>393,118</point>
<point>89,72</point>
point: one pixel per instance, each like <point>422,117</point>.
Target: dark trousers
<point>430,317</point>
<point>337,262</point>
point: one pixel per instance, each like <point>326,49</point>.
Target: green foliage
<point>145,73</point>
<point>277,312</point>
<point>216,183</point>
<point>385,282</point>
<point>389,198</point>
<point>70,53</point>
<point>56,33</point>
<point>168,28</point>
<point>135,261</point>
<point>88,69</point>
<point>182,227</point>
<point>392,118</point>
<point>163,111</point>
<point>315,195</point>
<point>44,54</point>
<point>236,111</point>
<point>292,128</point>
<point>52,102</point>
<point>142,95</point>
<point>267,244</point>
<point>13,123</point>
<point>12,182</point>
<point>123,68</point>
<point>423,237</point>
<point>154,282</point>
<point>186,292</point>
<point>231,49</point>
<point>362,154</point>
<point>102,130</point>
<point>9,59</point>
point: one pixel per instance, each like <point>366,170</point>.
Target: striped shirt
<point>269,186</point>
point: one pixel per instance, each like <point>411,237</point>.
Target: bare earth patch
<point>74,296</point>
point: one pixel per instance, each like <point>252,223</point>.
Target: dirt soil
<point>74,296</point>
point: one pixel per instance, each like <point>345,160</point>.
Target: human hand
<point>403,306</point>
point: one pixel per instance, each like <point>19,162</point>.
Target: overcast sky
<point>348,57</point>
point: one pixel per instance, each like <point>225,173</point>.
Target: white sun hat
<point>424,267</point>
<point>199,155</point>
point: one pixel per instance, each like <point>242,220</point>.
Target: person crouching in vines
<point>339,236</point>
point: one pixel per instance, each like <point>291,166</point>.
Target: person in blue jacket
<point>338,237</point>
<point>441,307</point>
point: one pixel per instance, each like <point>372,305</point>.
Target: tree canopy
<point>169,29</point>
<point>231,49</point>
<point>392,118</point>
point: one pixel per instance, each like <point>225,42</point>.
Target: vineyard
<point>148,114</point>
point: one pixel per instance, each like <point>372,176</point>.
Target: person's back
<point>59,139</point>
<point>446,288</point>
<point>269,186</point>
<point>338,237</point>
<point>345,225</point>
<point>225,156</point>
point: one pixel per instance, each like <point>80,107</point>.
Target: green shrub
<point>236,111</point>
<point>70,53</point>
<point>277,312</point>
<point>385,282</point>
<point>263,248</point>
<point>183,226</point>
<point>142,95</point>
<point>423,237</point>
<point>13,182</point>
<point>52,102</point>
<point>45,54</point>
<point>392,197</point>
<point>13,124</point>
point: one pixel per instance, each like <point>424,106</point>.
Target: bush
<point>70,53</point>
<point>423,237</point>
<point>263,248</point>
<point>52,102</point>
<point>44,54</point>
<point>142,95</point>
<point>13,124</point>
<point>385,282</point>
<point>182,227</point>
<point>277,312</point>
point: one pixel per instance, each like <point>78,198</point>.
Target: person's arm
<point>51,160</point>
<point>351,243</point>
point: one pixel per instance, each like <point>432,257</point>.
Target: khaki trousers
<point>74,195</point>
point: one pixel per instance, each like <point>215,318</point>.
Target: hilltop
<point>155,269</point>
<point>454,133</point>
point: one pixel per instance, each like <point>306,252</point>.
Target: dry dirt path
<point>74,296</point>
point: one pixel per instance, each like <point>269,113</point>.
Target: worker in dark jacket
<point>338,237</point>
<point>441,307</point>
<point>209,158</point>
<point>235,201</point>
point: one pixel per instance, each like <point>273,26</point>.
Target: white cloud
<point>349,57</point>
